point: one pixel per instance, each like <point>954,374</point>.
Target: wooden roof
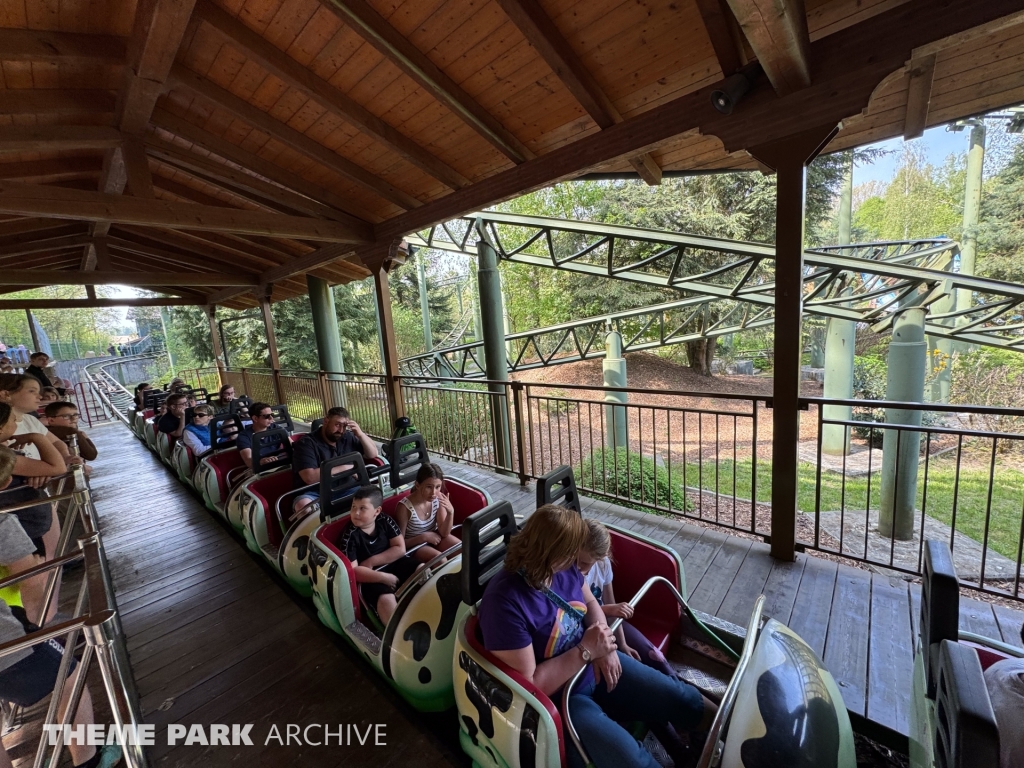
<point>235,144</point>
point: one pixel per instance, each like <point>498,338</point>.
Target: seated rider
<point>426,515</point>
<point>172,423</point>
<point>262,420</point>
<point>36,369</point>
<point>63,422</point>
<point>140,394</point>
<point>1005,683</point>
<point>197,434</point>
<point>338,435</point>
<point>537,617</point>
<point>371,540</point>
<point>222,401</point>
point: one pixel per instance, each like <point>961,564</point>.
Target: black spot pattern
<point>802,730</point>
<point>418,633</point>
<point>470,728</point>
<point>302,545</point>
<point>304,570</point>
<point>485,692</point>
<point>424,675</point>
<point>528,738</point>
<point>449,590</point>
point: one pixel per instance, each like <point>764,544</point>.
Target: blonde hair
<point>202,410</point>
<point>552,536</point>
<point>7,461</point>
<point>599,542</point>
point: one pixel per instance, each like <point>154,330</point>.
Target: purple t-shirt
<point>514,615</point>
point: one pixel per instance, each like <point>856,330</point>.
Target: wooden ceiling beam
<point>920,74</point>
<point>44,244</point>
<point>132,249</point>
<point>318,258</point>
<point>720,24</point>
<point>119,277</point>
<point>52,202</point>
<point>391,44</point>
<point>538,28</point>
<point>777,31</point>
<point>280,64</point>
<point>27,225</point>
<point>237,182</point>
<point>185,192</point>
<point>344,210</point>
<point>33,101</point>
<point>91,303</point>
<point>136,167</point>
<point>182,77</point>
<point>849,65</point>
<point>56,138</point>
<point>32,45</point>
<point>57,168</point>
<point>206,243</point>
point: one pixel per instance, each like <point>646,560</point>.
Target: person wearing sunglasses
<point>196,435</point>
<point>63,422</point>
<point>262,416</point>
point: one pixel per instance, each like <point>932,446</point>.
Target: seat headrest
<point>337,488</point>
<point>559,487</point>
<point>482,557</point>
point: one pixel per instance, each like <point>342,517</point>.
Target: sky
<point>938,144</point>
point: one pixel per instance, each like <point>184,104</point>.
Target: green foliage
<point>90,328</point>
<point>1001,233</point>
<point>453,422</point>
<point>628,475</point>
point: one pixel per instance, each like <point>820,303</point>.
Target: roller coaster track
<point>735,290</point>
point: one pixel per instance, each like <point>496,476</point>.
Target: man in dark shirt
<point>262,420</point>
<point>338,435</point>
<point>173,422</point>
<point>37,362</point>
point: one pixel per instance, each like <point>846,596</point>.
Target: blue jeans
<point>643,694</point>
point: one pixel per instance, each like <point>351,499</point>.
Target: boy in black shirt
<point>371,540</point>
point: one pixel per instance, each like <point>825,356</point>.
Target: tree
<point>1001,232</point>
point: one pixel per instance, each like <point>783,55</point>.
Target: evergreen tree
<point>1001,233</point>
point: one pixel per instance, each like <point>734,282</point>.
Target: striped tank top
<point>418,525</point>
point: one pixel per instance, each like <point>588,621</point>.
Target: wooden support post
<point>392,384</point>
<point>268,324</point>
<point>789,157</point>
<point>32,330</point>
<point>218,352</point>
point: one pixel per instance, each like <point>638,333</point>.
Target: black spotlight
<point>728,96</point>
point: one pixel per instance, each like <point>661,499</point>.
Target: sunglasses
<point>265,416</point>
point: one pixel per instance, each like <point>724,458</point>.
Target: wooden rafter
<point>920,74</point>
<point>55,101</point>
<point>375,29</point>
<point>345,210</point>
<point>185,78</point>
<point>86,303</point>
<point>280,64</point>
<point>777,31</point>
<point>60,47</point>
<point>51,202</point>
<point>538,28</point>
<point>97,277</point>
<point>46,170</point>
<point>720,23</point>
<point>55,138</point>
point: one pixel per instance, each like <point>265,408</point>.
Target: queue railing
<point>95,616</point>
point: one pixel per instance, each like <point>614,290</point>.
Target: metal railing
<point>957,476</point>
<point>95,615</point>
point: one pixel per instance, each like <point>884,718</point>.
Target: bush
<point>628,475</point>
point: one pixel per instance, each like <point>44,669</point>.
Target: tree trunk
<point>700,353</point>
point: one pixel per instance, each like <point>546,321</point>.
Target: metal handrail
<point>567,689</point>
<point>996,645</point>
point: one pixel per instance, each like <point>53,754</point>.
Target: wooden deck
<point>215,637</point>
<point>861,623</point>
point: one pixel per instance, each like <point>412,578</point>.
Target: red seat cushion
<point>634,562</point>
<point>474,640</point>
<point>267,491</point>
<point>329,535</point>
<point>223,462</point>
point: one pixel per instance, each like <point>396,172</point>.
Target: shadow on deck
<point>861,623</point>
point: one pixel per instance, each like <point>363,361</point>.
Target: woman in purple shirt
<point>536,617</point>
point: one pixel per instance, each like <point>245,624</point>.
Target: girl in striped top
<point>426,515</point>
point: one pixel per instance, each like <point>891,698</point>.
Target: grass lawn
<point>971,501</point>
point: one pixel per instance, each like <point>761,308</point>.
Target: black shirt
<point>39,375</point>
<point>168,423</point>
<point>245,439</point>
<point>358,546</point>
<point>312,451</point>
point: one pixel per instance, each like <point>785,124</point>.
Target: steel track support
<point>325,329</point>
<point>492,322</point>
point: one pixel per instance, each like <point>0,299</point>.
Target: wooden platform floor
<point>861,623</point>
<point>215,637</point>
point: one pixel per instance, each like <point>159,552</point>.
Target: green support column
<point>491,314</point>
<point>904,383</point>
<point>840,340</point>
<point>421,271</point>
<point>972,209</point>
<point>614,367</point>
<point>164,322</point>
<point>380,333</point>
<point>325,328</point>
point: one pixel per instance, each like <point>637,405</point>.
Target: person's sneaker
<point>110,755</point>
